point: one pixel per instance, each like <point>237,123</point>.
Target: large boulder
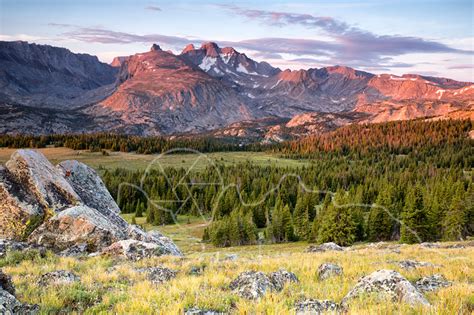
<point>134,250</point>
<point>89,186</point>
<point>387,283</point>
<point>39,177</point>
<point>76,225</point>
<point>65,208</point>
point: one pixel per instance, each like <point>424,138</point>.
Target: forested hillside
<point>408,181</point>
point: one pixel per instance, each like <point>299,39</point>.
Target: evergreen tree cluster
<point>413,194</point>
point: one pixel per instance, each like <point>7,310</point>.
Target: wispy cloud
<point>153,8</point>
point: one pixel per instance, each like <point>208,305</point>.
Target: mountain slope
<point>46,76</point>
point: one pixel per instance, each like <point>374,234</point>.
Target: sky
<point>429,37</point>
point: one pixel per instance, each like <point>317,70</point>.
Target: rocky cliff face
<point>46,76</point>
<point>64,207</point>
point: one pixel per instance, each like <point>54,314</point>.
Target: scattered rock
<point>196,270</point>
<point>200,311</point>
<point>230,257</point>
<point>168,247</point>
<point>430,245</point>
<point>328,270</point>
<point>412,264</point>
<point>324,248</point>
<point>10,305</point>
<point>6,283</point>
<point>158,275</point>
<point>432,283</point>
<point>254,284</point>
<point>134,250</point>
<point>315,307</point>
<point>281,277</point>
<point>389,283</point>
<point>454,246</point>
<point>58,277</point>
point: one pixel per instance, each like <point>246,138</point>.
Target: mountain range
<point>206,90</point>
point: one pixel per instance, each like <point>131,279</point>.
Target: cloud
<point>463,66</point>
<point>347,43</point>
<point>153,8</point>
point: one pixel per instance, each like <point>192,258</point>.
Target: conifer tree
<point>414,219</point>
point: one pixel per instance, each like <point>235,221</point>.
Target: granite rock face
<point>67,209</point>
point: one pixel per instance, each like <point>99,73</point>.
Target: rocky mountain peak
<point>188,48</point>
<point>155,47</point>
<point>211,49</point>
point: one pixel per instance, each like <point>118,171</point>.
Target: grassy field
<point>112,285</point>
<point>142,161</point>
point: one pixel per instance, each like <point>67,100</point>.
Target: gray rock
<point>282,277</point>
<point>134,250</point>
<point>77,225</point>
<point>200,311</point>
<point>158,275</point>
<point>167,246</point>
<point>430,245</point>
<point>252,285</point>
<point>58,277</point>
<point>255,284</point>
<point>10,305</point>
<point>387,283</point>
<point>196,270</point>
<point>75,250</point>
<point>315,307</point>
<point>6,283</point>
<point>328,270</point>
<point>432,283</point>
<point>230,257</point>
<point>412,264</point>
<point>90,188</point>
<point>324,247</point>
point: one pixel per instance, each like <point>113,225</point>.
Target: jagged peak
<point>211,48</point>
<point>155,47</point>
<point>229,51</point>
<point>189,47</point>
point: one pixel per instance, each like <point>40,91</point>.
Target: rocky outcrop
<point>6,283</point>
<point>387,283</point>
<point>134,250</point>
<point>67,209</point>
<point>315,307</point>
<point>324,248</point>
<point>328,270</point>
<point>76,225</point>
<point>255,284</point>
<point>158,275</point>
<point>58,277</point>
<point>432,283</point>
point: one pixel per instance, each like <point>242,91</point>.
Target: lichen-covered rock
<point>282,277</point>
<point>19,211</point>
<point>315,307</point>
<point>328,270</point>
<point>77,250</point>
<point>7,246</point>
<point>168,247</point>
<point>58,277</point>
<point>324,248</point>
<point>252,285</point>
<point>158,275</point>
<point>134,250</point>
<point>432,283</point>
<point>387,283</point>
<point>33,171</point>
<point>6,283</point>
<point>10,305</point>
<point>90,188</point>
<point>76,225</point>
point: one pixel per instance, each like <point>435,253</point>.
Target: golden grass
<point>122,290</point>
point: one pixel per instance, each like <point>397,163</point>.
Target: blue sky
<point>430,37</point>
